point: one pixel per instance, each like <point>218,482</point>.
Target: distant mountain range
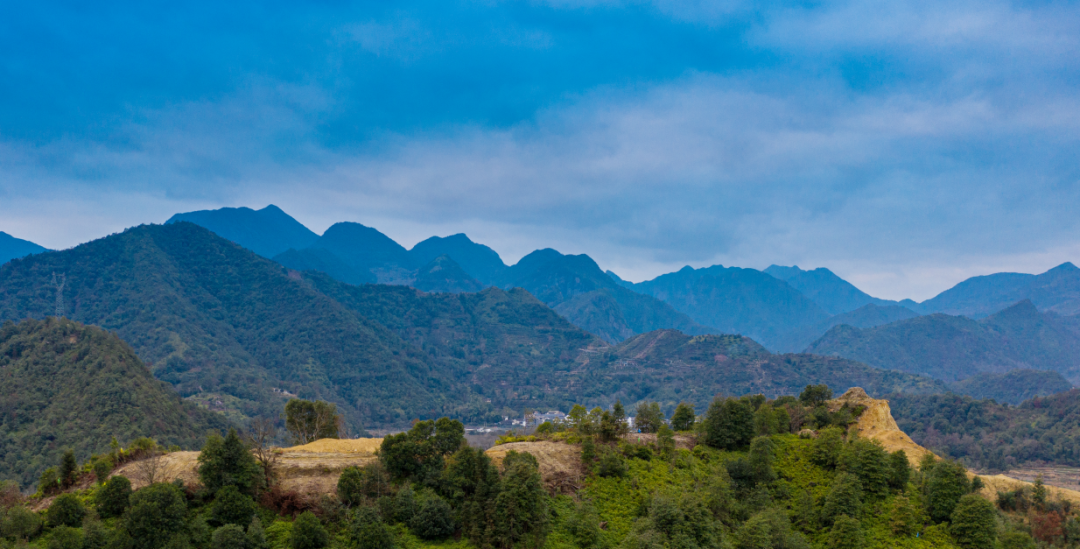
<point>267,232</point>
<point>14,248</point>
<point>222,324</point>
<point>1056,290</point>
<point>953,348</point>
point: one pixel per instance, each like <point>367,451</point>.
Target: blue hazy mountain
<point>736,301</point>
<point>576,287</point>
<point>319,259</point>
<point>867,316</point>
<point>952,348</point>
<point>444,275</point>
<point>1056,290</point>
<point>618,280</point>
<point>832,293</point>
<point>366,249</point>
<point>267,232</point>
<point>14,248</point>
<point>478,260</point>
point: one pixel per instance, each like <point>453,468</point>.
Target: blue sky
<point>906,145</point>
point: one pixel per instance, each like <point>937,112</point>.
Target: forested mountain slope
<point>480,261</point>
<point>952,348</point>
<point>832,293</point>
<point>736,301</point>
<point>211,317</point>
<point>867,316</point>
<point>576,287</point>
<point>67,385</point>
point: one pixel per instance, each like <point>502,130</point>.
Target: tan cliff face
<point>877,423</point>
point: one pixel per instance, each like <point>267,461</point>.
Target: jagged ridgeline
<point>224,325</point>
<point>67,385</point>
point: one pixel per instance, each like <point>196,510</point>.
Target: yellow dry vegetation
<point>877,423</point>
<point>334,445</point>
<point>556,459</point>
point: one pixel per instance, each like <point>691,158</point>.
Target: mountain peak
<point>14,248</point>
<point>267,232</point>
<point>478,260</point>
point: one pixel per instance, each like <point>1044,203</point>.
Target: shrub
<point>308,533</point>
<point>49,481</point>
<point>357,483</point>
<point>1016,540</point>
<point>434,520</point>
<point>112,498</point>
<point>769,529</point>
<point>825,450</point>
<point>368,532</point>
<point>66,510</point>
<point>611,464</point>
<point>66,537</point>
<point>156,515</point>
<point>256,536</point>
<point>232,507</point>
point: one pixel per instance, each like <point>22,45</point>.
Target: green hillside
<point>953,348</point>
<point>67,385</point>
<point>444,275</point>
<point>992,436</point>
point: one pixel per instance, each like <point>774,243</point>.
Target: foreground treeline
<point>734,477</point>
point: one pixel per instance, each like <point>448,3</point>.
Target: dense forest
<point>64,385</point>
<point>990,436</point>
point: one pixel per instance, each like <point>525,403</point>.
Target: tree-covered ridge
<point>13,248</point>
<point>991,436</point>
<point>212,317</point>
<point>67,385</point>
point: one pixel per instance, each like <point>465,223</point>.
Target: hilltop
<point>67,385</point>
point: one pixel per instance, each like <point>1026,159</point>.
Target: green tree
<point>899,470</point>
<point>20,523</point>
<point>66,537</point>
<point>228,462</point>
<point>156,515</point>
<point>665,442</point>
<point>846,533</point>
<point>66,510</point>
<point>311,420</point>
<point>404,506</point>
<point>520,508</point>
<point>232,507</point>
<point>946,484</point>
<point>618,414</point>
<point>49,481</point>
<point>806,512</point>
<point>367,531</point>
<point>434,519</point>
<point>844,498</point>
<point>868,460</point>
<point>648,417</point>
<point>683,419</point>
<point>760,458</point>
<point>230,536</point>
<point>69,468</point>
<point>1038,493</point>
<point>903,517</point>
<point>112,498</point>
<point>102,467</point>
<point>611,464</point>
<point>765,423</point>
<point>94,534</point>
<point>973,525</point>
<point>815,395</point>
<point>584,524</point>
<point>308,533</point>
<point>350,486</point>
<point>420,452</point>
<point>472,482</point>
<point>729,424</point>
